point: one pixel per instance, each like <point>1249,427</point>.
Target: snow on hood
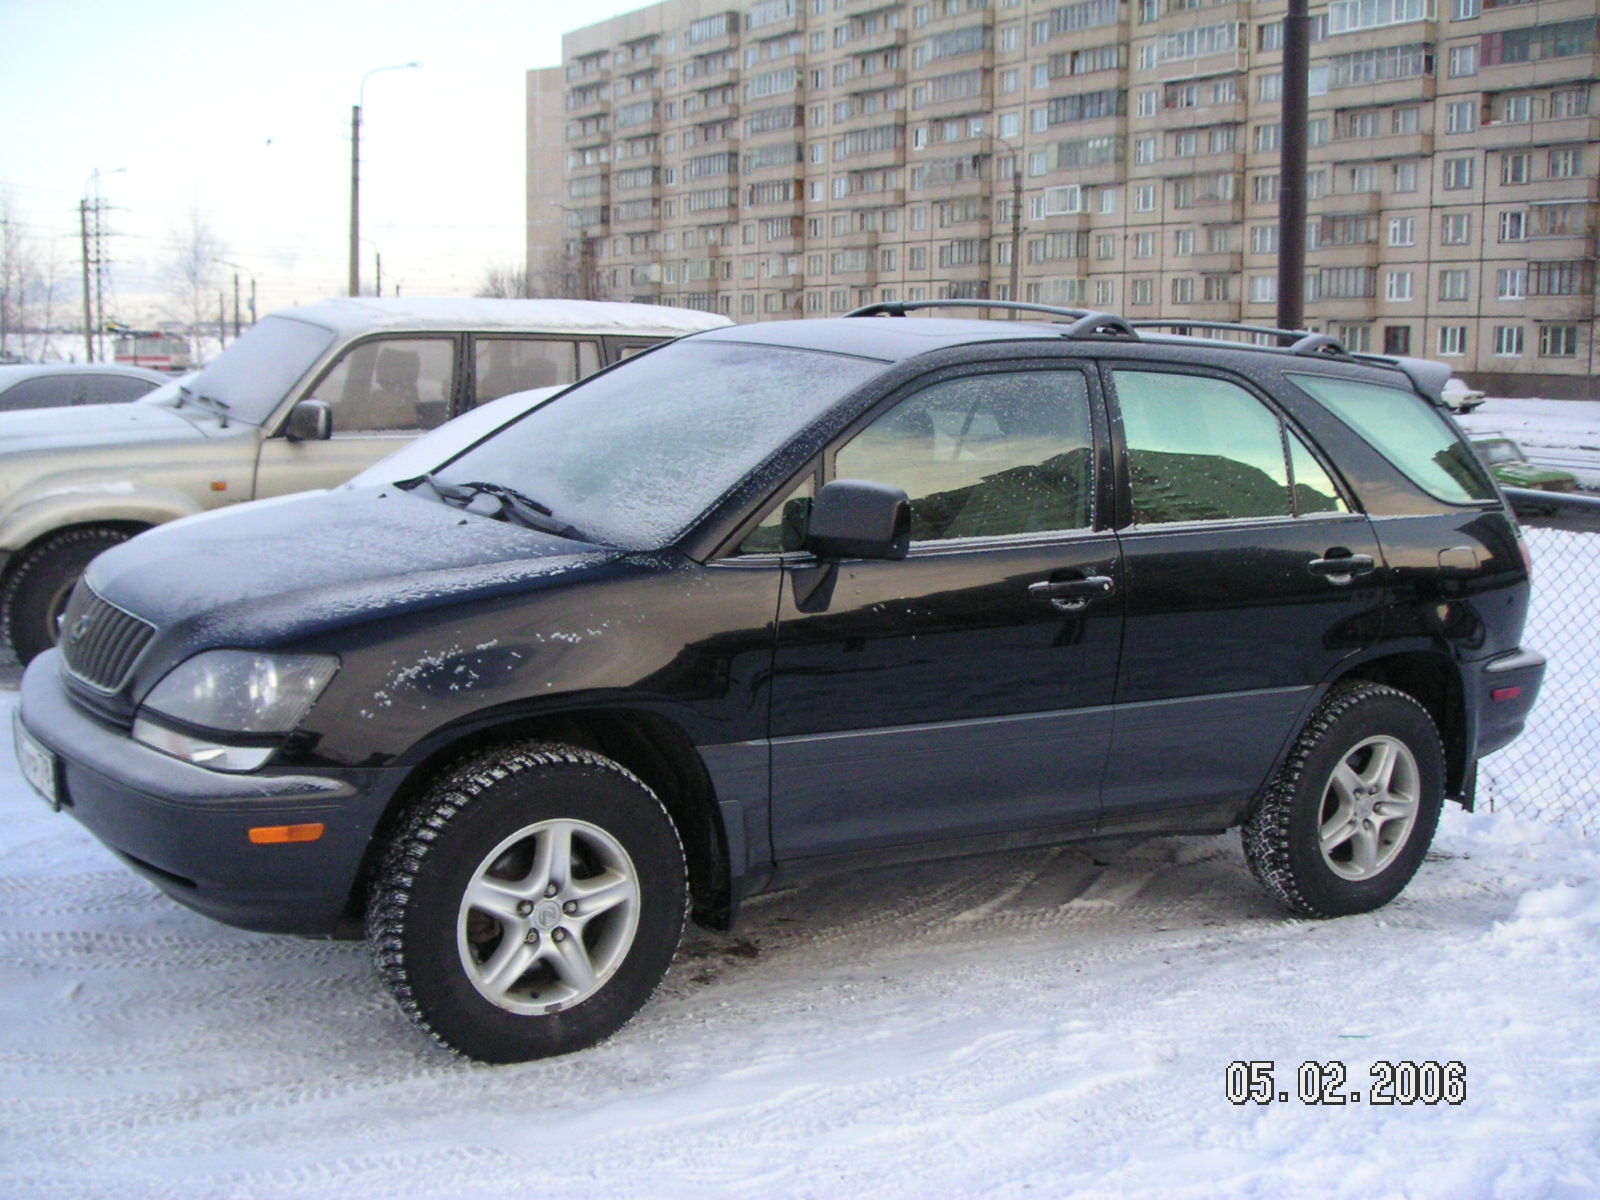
<point>322,558</point>
<point>78,428</point>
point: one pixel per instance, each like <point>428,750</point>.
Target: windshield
<point>255,373</point>
<point>1499,452</point>
<point>632,457</point>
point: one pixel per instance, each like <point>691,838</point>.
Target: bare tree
<point>503,281</point>
<point>16,255</point>
<point>191,272</point>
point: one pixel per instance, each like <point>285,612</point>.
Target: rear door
<point>1249,577</point>
<point>964,690</point>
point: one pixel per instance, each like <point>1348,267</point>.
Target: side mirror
<point>309,421</point>
<point>851,518</point>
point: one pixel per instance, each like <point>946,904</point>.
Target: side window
<point>1314,490</point>
<point>51,391</point>
<point>1409,432</point>
<point>1202,449</point>
<point>113,389</point>
<point>784,527</point>
<point>390,385</point>
<point>985,455</point>
<point>502,365</point>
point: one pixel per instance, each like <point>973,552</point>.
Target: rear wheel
<point>38,587</point>
<point>1345,823</point>
<point>531,904</point>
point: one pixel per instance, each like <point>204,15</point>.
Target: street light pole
<point>355,173</point>
<point>1016,216</point>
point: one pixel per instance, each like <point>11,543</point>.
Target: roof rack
<point>1084,322</point>
<point>1301,341</point>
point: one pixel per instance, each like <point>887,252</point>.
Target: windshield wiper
<point>513,504</point>
<point>220,407</point>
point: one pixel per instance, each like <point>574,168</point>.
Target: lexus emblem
<point>80,628</point>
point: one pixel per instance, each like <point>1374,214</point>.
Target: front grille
<point>99,642</point>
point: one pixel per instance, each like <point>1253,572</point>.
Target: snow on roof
<point>356,314</point>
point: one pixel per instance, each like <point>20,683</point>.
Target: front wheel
<point>530,905</point>
<point>1345,823</point>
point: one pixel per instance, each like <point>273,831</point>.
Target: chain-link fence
<point>1552,772</point>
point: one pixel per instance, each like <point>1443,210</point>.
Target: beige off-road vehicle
<point>306,399</point>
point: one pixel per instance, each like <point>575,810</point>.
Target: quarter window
<point>985,455</point>
<point>506,365</point>
<point>1402,427</point>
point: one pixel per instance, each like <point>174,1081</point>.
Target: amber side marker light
<point>282,835</point>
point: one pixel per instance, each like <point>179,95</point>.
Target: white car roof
<point>359,314</point>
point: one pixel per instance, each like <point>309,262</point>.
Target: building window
<point>1399,285</point>
<point>1508,341</point>
<point>1141,292</point>
<point>1455,229</point>
<point>1453,283</point>
<point>1463,10</point>
<point>1452,340</point>
<point>1516,168</point>
<point>1558,341</point>
<point>1511,283</point>
<point>1144,198</point>
<point>1183,289</point>
<point>1513,225</point>
<point>1566,163</point>
<point>1263,289</point>
<point>1463,61</point>
<point>1397,339</point>
<point>1216,287</point>
<point>1461,116</point>
<point>1264,189</point>
<point>1457,174</point>
<point>1182,242</point>
<point>1144,244</point>
<point>1403,231</point>
<point>1263,239</point>
<point>1403,176</point>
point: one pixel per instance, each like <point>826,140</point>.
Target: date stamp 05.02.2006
<point>1256,1082</point>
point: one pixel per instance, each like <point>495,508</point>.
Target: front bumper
<point>187,828</point>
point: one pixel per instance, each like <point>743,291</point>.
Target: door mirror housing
<point>852,518</point>
<point>309,421</point>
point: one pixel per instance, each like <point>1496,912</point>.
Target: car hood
<point>268,573</point>
<point>39,429</point>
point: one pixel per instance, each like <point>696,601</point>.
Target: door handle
<point>1342,568</point>
<point>1071,595</point>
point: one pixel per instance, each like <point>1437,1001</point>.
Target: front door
<point>383,393</point>
<point>965,689</point>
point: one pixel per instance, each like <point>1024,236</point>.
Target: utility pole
<point>355,173</point>
<point>222,319</point>
<point>88,296</point>
<point>377,288</point>
<point>252,299</point>
<point>236,306</point>
<point>355,198</point>
<point>1292,167</point>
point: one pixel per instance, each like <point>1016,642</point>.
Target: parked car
<point>1460,397</point>
<point>841,593</point>
<point>305,399</point>
<point>65,385</point>
<point>1510,465</point>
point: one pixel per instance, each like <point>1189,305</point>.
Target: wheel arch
<point>1433,681</point>
<point>648,744</point>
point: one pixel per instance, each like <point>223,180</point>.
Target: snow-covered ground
<point>1051,1023</point>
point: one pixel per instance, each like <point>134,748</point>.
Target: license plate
<point>38,765</point>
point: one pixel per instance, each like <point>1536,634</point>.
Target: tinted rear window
<point>1409,432</point>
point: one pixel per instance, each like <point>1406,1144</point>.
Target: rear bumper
<point>186,828</point>
<point>1507,688</point>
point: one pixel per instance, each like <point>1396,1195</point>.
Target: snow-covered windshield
<point>632,457</point>
<point>254,374</point>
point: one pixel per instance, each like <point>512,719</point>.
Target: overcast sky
<point>241,111</point>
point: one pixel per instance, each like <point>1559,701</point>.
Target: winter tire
<point>1344,824</point>
<point>531,903</point>
<point>37,589</point>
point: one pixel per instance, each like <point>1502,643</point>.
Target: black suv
<point>780,596</point>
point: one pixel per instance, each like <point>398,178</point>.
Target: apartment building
<point>787,158</point>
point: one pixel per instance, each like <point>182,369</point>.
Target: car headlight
<point>229,709</point>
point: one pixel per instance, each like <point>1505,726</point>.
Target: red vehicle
<point>159,351</point>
